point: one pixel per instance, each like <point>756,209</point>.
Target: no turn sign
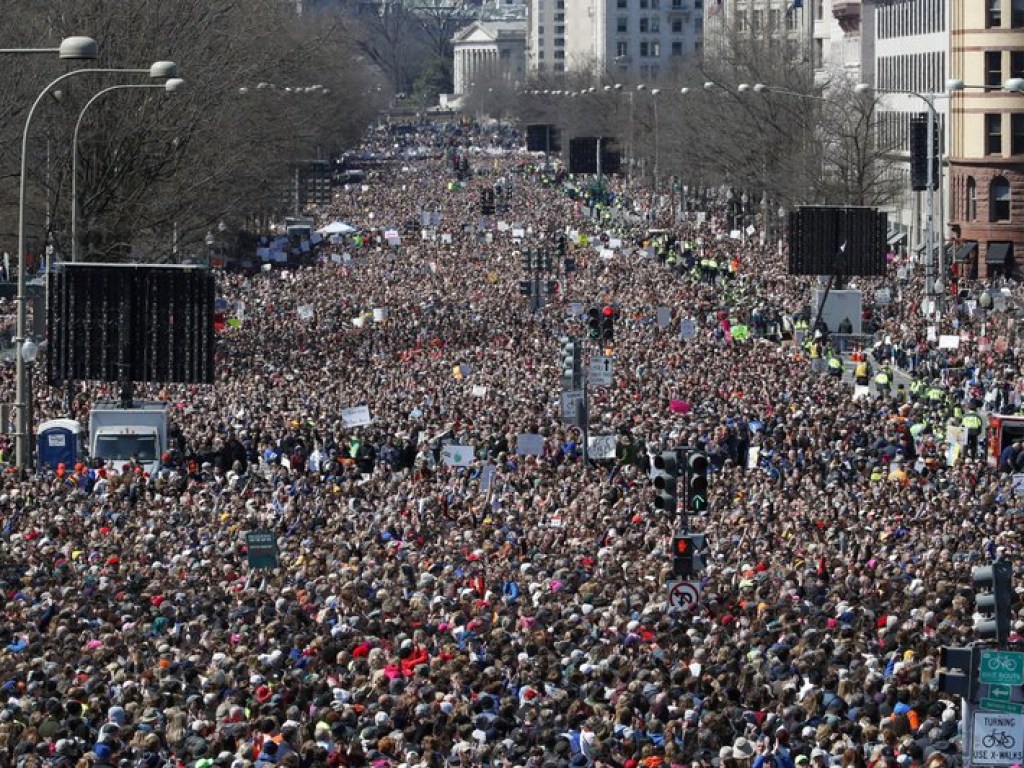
<point>683,594</point>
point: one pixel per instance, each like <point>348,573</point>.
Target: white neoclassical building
<point>489,49</point>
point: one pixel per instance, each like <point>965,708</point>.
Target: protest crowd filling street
<point>426,613</point>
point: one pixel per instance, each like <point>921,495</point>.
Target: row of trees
<point>798,140</point>
<point>160,169</point>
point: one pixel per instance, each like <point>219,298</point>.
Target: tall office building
<point>638,39</point>
<point>986,152</point>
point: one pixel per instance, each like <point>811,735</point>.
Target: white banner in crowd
<point>601,446</point>
<point>479,390</point>
<point>949,341</point>
<point>357,416</point>
<point>457,455</point>
<point>530,445</point>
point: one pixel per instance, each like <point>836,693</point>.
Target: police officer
<point>835,366</point>
<point>862,373</point>
<point>971,422</point>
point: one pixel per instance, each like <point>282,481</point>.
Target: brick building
<point>986,152</point>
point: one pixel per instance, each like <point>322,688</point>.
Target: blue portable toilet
<point>59,441</point>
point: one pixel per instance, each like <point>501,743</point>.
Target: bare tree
<point>151,164</point>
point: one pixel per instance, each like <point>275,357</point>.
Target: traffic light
<point>526,255</point>
<point>487,202</point>
<point>594,322</point>
<point>560,245</point>
<point>687,558</point>
<point>526,287</point>
<point>608,322</point>
<point>666,479</point>
<point>993,590</point>
<point>571,359</point>
<point>697,466</point>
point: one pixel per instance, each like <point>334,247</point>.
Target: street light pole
<point>172,84</point>
<point>76,48</point>
<point>929,215</point>
<point>160,69</point>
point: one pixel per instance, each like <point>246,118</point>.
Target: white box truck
<point>119,435</point>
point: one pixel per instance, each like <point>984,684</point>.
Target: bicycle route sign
<point>997,738</point>
<point>1002,668</point>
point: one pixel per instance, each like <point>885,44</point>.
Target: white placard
<point>518,233</point>
<point>949,341</point>
<point>487,477</point>
<point>735,234</point>
<point>601,446</point>
<point>664,316</point>
<point>357,416</point>
<point>479,390</point>
<point>380,314</point>
<point>997,738</point>
<point>753,456</point>
<point>702,216</point>
<point>751,229</point>
<point>457,455</point>
<point>530,445</point>
<point>861,390</point>
<point>607,253</point>
<point>305,312</point>
<point>446,238</point>
<point>615,242</point>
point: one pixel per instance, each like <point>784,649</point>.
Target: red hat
<point>263,693</point>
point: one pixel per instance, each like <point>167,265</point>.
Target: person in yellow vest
<point>917,389</point>
<point>835,366</point>
<point>972,422</point>
<point>883,381</point>
<point>861,373</point>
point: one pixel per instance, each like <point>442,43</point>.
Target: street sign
<point>683,594</point>
<point>1000,692</point>
<point>600,371</point>
<point>997,738</point>
<point>1002,668</point>
<point>571,400</point>
<point>1000,706</point>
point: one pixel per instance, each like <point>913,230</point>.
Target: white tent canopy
<point>337,228</point>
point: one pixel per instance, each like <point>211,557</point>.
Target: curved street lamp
<point>159,69</point>
<point>75,48</point>
<point>173,84</point>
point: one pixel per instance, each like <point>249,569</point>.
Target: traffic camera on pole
<point>993,592</point>
<point>666,476</point>
<point>696,476</point>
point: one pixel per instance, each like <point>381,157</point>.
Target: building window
<point>559,67</point>
<point>621,4</point>
<point>559,17</point>
<point>644,24</point>
<point>644,4</point>
<point>1017,14</point>
<point>741,20</point>
<point>655,49</point>
<point>972,199</point>
<point>1017,62</point>
<point>559,54</point>
<point>655,5</point>
<point>1017,133</point>
<point>993,69</point>
<point>999,200</point>
<point>559,42</point>
<point>993,13</point>
<point>559,30</point>
<point>643,49</point>
<point>655,24</point>
<point>774,16</point>
<point>622,48</point>
<point>757,20</point>
<point>540,31</point>
<point>677,5</point>
<point>993,134</point>
<point>677,48</point>
<point>622,24</point>
<point>677,26</point>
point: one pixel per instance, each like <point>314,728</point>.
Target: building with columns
<point>986,149</point>
<point>486,50</point>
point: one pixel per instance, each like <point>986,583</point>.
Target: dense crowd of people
<point>509,609</point>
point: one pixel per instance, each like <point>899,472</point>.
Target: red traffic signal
<point>608,311</point>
